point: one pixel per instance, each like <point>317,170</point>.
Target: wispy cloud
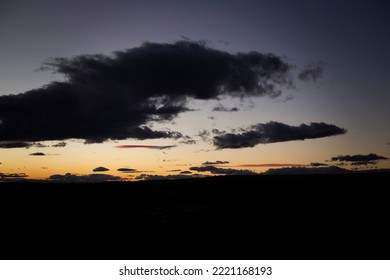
<point>215,162</point>
<point>271,165</point>
<point>145,147</point>
<point>152,177</point>
<point>312,72</point>
<point>59,144</point>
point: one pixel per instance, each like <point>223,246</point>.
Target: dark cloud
<point>127,170</point>
<point>13,177</point>
<point>151,177</point>
<point>59,144</point>
<point>186,172</point>
<point>38,145</point>
<point>306,170</point>
<point>222,171</point>
<point>187,140</point>
<point>145,147</point>
<point>270,165</point>
<point>359,159</point>
<point>20,144</point>
<point>37,154</point>
<point>204,134</point>
<point>317,164</point>
<point>117,97</point>
<point>221,108</point>
<point>90,178</point>
<point>312,72</point>
<point>215,162</point>
<point>273,132</point>
<point>14,144</point>
<point>100,169</point>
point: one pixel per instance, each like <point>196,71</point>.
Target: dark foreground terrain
<point>249,217</point>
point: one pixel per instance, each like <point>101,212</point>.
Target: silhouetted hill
<point>230,217</point>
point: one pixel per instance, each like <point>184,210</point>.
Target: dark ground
<point>241,217</point>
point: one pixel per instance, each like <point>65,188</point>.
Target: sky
<point>138,90</point>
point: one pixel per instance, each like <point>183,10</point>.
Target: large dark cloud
<point>118,96</point>
<point>359,159</point>
<point>222,171</point>
<point>273,132</point>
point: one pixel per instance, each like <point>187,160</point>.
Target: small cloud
<point>38,145</point>
<point>222,171</point>
<point>145,147</point>
<point>100,169</point>
<point>204,135</point>
<point>306,170</point>
<point>37,154</point>
<point>317,164</point>
<point>272,165</point>
<point>221,108</point>
<point>186,172</point>
<point>150,177</point>
<point>215,162</point>
<point>127,170</point>
<point>312,72</point>
<point>59,144</point>
<point>188,140</point>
